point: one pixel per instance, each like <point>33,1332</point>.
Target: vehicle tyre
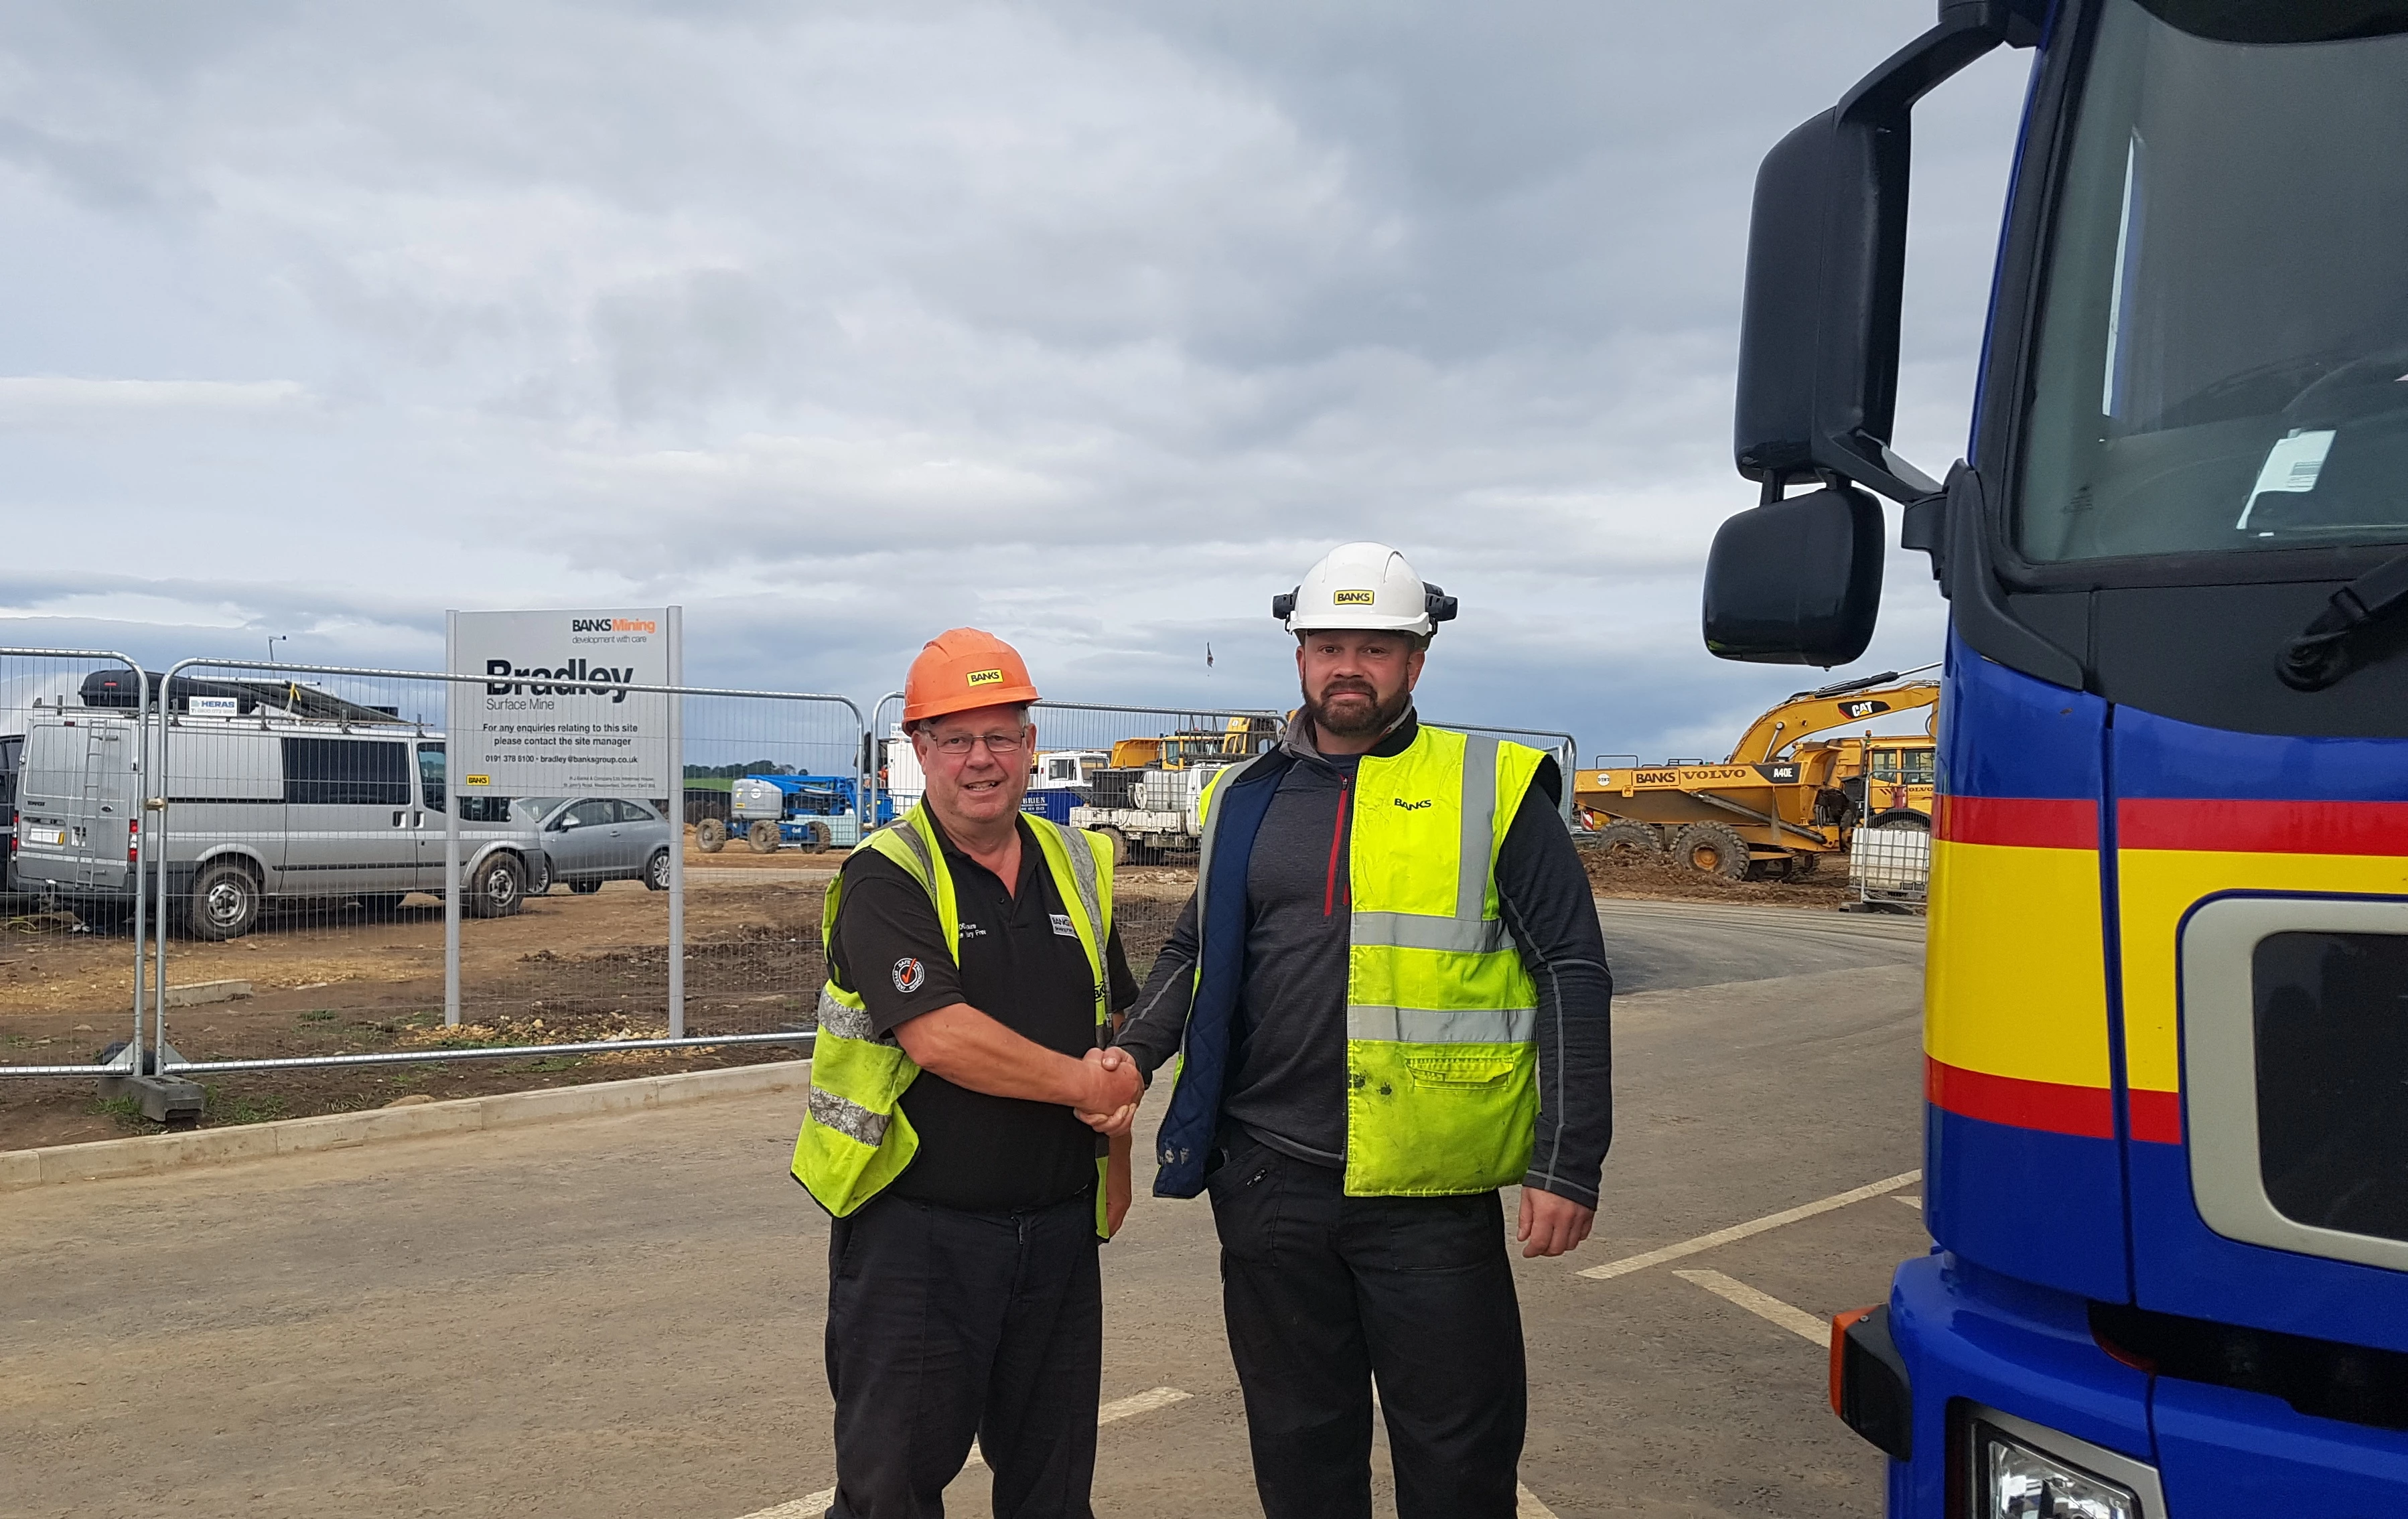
<point>1714,848</point>
<point>763,836</point>
<point>381,906</point>
<point>1120,843</point>
<point>710,836</point>
<point>1915,822</point>
<point>224,902</point>
<point>585,888</point>
<point>1626,842</point>
<point>656,871</point>
<point>500,890</point>
<point>817,837</point>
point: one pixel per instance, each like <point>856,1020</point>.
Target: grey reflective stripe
<point>1414,931</point>
<point>1442,1026</point>
<point>847,1117</point>
<point>1082,876</point>
<point>1479,825</point>
<point>902,829</point>
<point>843,1021</point>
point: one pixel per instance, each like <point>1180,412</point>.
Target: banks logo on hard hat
<point>1333,595</point>
<point>963,668</point>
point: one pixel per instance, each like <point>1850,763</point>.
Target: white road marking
<point>1741,1231</point>
<point>814,1505</point>
<point>1916,1203</point>
<point>1797,1321</point>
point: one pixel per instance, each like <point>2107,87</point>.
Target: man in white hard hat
<point>1391,992</point>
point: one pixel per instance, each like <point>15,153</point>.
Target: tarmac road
<point>620,1316</point>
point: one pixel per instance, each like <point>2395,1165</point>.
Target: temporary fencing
<point>73,983</point>
<point>245,865</point>
<point>305,916</point>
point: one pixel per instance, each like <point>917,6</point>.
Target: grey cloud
<point>1091,321</point>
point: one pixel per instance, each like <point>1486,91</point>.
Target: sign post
<point>553,714</point>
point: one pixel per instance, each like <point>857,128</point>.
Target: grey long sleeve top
<point>1287,1084</point>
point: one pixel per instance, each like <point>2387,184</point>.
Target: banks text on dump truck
<point>2166,1069</point>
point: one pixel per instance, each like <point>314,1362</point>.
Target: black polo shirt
<point>1022,965</point>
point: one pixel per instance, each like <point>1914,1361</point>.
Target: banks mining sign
<point>553,711</point>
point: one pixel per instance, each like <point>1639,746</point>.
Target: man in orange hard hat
<point>960,1107</point>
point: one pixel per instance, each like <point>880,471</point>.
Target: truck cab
<point>2165,1068</point>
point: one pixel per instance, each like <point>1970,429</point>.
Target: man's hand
<point>1551,1225</point>
<point>1116,1186</point>
<point>1115,1089</point>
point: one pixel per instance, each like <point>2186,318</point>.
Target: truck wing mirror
<point>1796,581</point>
<point>1826,266</point>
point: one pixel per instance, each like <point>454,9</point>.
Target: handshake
<point>1113,1090</point>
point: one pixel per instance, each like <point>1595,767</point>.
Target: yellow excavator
<point>1781,801</point>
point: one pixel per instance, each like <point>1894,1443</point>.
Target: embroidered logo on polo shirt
<point>971,930</point>
<point>910,975</point>
<point>1062,926</point>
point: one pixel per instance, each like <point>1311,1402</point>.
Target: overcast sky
<point>838,324</point>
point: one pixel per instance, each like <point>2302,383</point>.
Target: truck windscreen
<point>2223,346</point>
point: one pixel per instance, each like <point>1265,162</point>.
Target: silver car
<point>591,839</point>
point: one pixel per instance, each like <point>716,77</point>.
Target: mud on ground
<point>335,980</point>
<point>1664,879</point>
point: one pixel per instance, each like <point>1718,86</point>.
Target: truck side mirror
<point>1796,581</point>
<point>1827,269</point>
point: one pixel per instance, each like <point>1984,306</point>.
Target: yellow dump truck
<point>1781,801</point>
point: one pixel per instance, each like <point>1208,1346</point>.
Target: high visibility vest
<point>1441,1016</point>
<point>855,1138</point>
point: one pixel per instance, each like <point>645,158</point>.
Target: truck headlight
<point>2012,1481</point>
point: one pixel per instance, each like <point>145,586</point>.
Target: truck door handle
<point>398,816</point>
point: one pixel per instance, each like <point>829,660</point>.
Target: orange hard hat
<point>962,670</point>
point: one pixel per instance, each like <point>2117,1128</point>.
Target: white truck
<point>1165,817</point>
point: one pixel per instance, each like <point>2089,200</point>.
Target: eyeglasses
<point>955,746</point>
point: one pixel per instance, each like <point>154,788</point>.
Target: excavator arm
<point>1833,707</point>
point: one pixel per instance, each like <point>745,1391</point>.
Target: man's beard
<point>1355,720</point>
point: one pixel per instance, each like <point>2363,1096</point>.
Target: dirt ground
<point>334,979</point>
<point>1665,881</point>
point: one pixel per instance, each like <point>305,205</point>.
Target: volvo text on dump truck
<point>2166,1061</point>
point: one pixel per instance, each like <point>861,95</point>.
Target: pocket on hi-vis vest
<point>1456,1070</point>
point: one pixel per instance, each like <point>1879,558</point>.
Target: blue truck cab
<point>2165,1012</point>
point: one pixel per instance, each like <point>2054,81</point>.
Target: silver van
<point>261,809</point>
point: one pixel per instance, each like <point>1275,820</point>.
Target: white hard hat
<point>1364,586</point>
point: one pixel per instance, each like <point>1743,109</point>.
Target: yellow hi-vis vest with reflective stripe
<point>1441,1015</point>
<point>855,1136</point>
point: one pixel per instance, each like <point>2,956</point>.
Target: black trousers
<point>1324,1293</point>
<point>944,1324</point>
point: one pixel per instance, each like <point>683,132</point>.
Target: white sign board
<point>551,715</point>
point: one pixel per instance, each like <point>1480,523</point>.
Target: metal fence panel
<point>577,924</point>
